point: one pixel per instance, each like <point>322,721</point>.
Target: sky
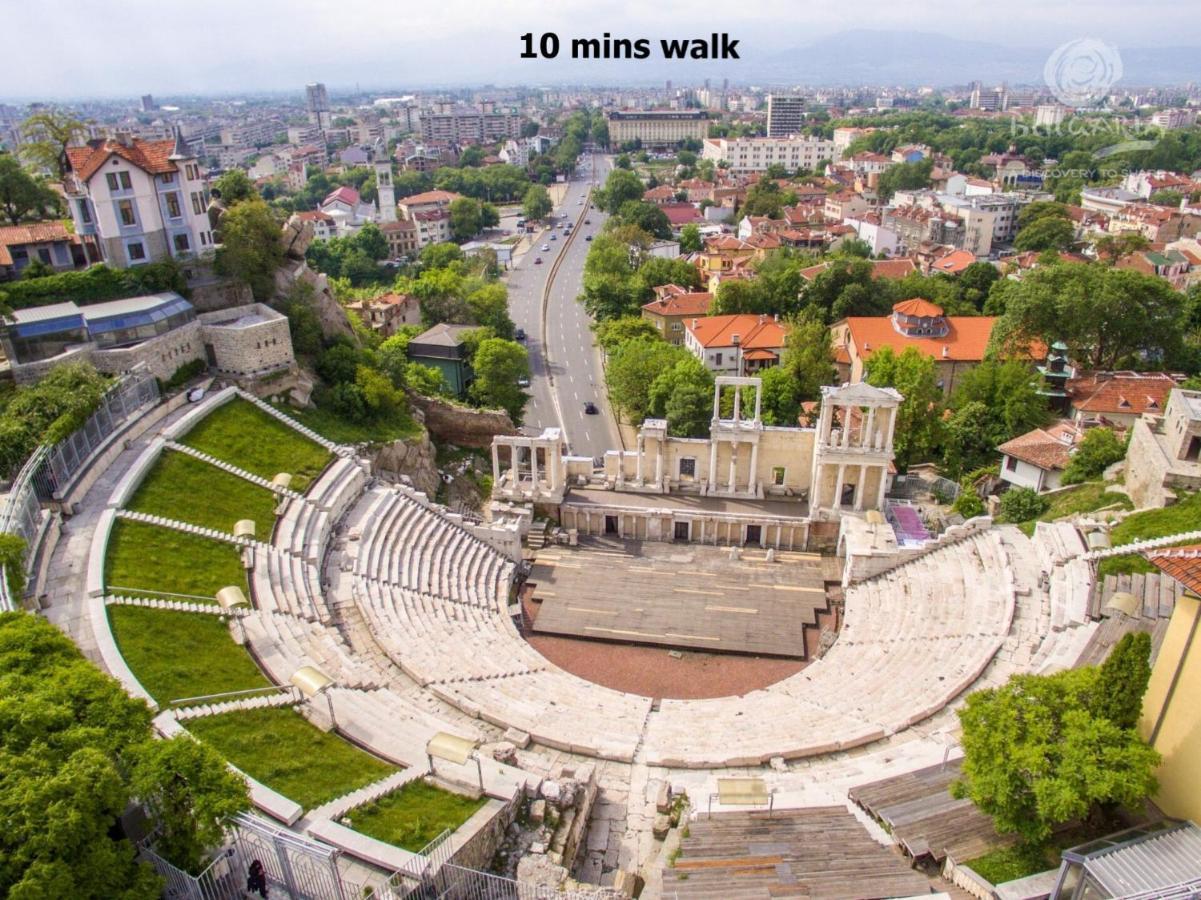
<point>123,48</point>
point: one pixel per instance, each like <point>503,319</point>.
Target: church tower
<point>383,183</point>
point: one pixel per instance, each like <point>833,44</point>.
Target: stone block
<point>518,738</point>
<point>661,826</point>
<point>537,812</point>
<point>663,798</point>
<point>777,763</point>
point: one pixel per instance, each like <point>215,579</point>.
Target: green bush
<point>184,374</point>
<point>1022,505</point>
<point>95,285</point>
<point>1099,450</point>
<point>968,504</point>
<point>48,411</point>
<point>12,557</point>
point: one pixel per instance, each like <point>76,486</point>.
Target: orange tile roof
<point>428,197</point>
<point>149,156</point>
<point>686,304</point>
<point>881,268</point>
<point>918,307</point>
<point>1129,393</point>
<point>1047,448</point>
<point>754,332</point>
<point>954,262</point>
<point>33,233</point>
<point>1181,563</point>
<point>965,341</point>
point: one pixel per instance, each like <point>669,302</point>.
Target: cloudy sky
<point>80,48</point>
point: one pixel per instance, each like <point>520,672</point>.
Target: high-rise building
<point>148,104</point>
<point>785,115</point>
<point>317,102</point>
<point>386,193</point>
<point>668,85</point>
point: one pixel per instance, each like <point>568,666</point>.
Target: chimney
<point>123,136</point>
<point>946,351</point>
<point>694,321</point>
<point>735,339</point>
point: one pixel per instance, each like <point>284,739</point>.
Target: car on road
<point>554,237</point>
<point>588,237</point>
<point>587,221</point>
<point>546,248</point>
<point>590,408</point>
<point>537,260</point>
<point>523,382</point>
<point>519,334</point>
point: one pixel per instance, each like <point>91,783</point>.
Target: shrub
<point>95,285</point>
<point>48,411</point>
<point>184,374</point>
<point>12,557</point>
<point>1099,450</point>
<point>968,504</point>
<point>1022,505</point>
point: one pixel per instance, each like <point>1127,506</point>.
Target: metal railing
<point>51,469</point>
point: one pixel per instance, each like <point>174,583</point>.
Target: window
<point>777,476</point>
<point>168,178</point>
<point>111,178</point>
<point>1011,463</point>
<point>173,208</point>
<point>125,211</point>
<point>688,467</point>
<point>197,204</point>
<point>136,251</point>
<point>717,360</point>
<point>182,244</point>
<point>85,212</point>
<point>44,255</point>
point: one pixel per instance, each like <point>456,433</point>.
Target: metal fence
<point>50,470</point>
<point>457,883</point>
<point>908,487</point>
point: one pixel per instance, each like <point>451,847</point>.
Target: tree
<point>808,359</point>
<point>1097,451</point>
<point>250,247</point>
<point>1023,504</point>
<point>763,199</point>
<point>647,216</point>
<point>1036,754</point>
<point>621,185</point>
<point>994,402</point>
<point>904,177</point>
<point>781,397</point>
<point>919,424</point>
<point>488,305</point>
<point>498,364</point>
<point>1113,248</point>
<point>683,395</point>
<point>47,137</point>
<point>968,436</point>
<point>536,203</point>
<point>466,218</point>
<point>234,186</point>
<point>632,368</point>
<point>612,333</point>
<point>1047,233</point>
<point>21,195</point>
<point>975,282</point>
<point>1123,680</point>
<point>690,238</point>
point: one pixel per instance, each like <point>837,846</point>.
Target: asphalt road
<point>565,363</point>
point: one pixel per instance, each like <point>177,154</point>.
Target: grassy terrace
<point>147,559</point>
<point>284,751</point>
<point>241,433</point>
<point>1185,515</point>
<point>343,431</point>
<point>414,815</point>
<point>213,663</point>
<point>185,488</point>
<point>1091,495</point>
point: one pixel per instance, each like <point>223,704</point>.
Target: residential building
<point>672,307</point>
<point>956,343</point>
<point>138,200</point>
<point>1117,399</point>
<point>785,115</point>
<point>1171,119</point>
<point>441,348</point>
<point>402,238</point>
<point>1049,115</point>
<point>1038,458</point>
<point>347,209</point>
<point>870,229</point>
<point>324,225</point>
<point>657,128</point>
<point>756,154</point>
<point>461,125</point>
<point>387,313</point>
<point>317,104</point>
<point>845,205</point>
<point>1164,453</point>
<point>735,345</point>
<point>46,242</point>
<point>426,201</point>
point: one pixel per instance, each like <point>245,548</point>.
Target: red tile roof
<point>1047,448</point>
<point>344,194</point>
<point>965,341</point>
<point>754,332</point>
<point>428,197</point>
<point>1122,393</point>
<point>681,213</point>
<point>149,156</point>
<point>1181,563</point>
<point>918,307</point>
<point>33,233</point>
<point>686,304</point>
<point>954,262</point>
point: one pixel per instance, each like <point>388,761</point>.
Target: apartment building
<point>757,154</point>
<point>486,124</point>
<point>657,128</point>
<point>138,200</point>
<point>785,115</point>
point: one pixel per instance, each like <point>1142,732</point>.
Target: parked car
<point>590,408</point>
<point>587,221</point>
<point>588,238</point>
<point>523,382</point>
<point>546,248</point>
<point>519,334</point>
<point>537,260</point>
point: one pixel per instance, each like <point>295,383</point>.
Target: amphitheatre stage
<point>679,595</point>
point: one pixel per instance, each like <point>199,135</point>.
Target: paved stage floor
<point>679,595</point>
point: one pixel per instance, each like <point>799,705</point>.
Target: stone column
<point>712,464</point>
<point>733,465</point>
<point>716,402</point>
<point>759,402</point>
<point>495,464</point>
<point>534,464</point>
<point>815,490</point>
<point>641,450</point>
<point>659,462</point>
<point>892,427</point>
<point>837,504</point>
<point>860,485</point>
<point>737,403</point>
<point>753,478</point>
<point>869,436</point>
<point>883,485</point>
<point>513,475</point>
<point>845,437</point>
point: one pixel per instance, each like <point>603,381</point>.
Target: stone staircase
<point>340,806</point>
<point>262,701</point>
<point>313,436</point>
<point>192,606</point>
<point>232,469</point>
<point>539,535</point>
<point>188,528</point>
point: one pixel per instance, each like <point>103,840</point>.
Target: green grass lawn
<point>284,751</point>
<point>150,640</point>
<point>414,815</point>
<point>149,559</point>
<point>241,433</point>
<point>1009,863</point>
<point>330,425</point>
<point>185,488</point>
<point>1091,495</point>
<point>1184,515</point>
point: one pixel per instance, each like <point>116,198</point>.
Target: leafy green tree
<point>1098,450</point>
<point>1036,755</point>
<point>781,396</point>
<point>993,403</point>
<point>440,256</point>
<point>488,304</point>
<point>683,395</point>
<point>1113,248</point>
<point>904,177</point>
<point>1123,680</point>
<point>976,281</point>
<point>47,411</point>
<point>1047,233</point>
<point>21,195</point>
<point>919,422</point>
<point>968,504</point>
<point>847,288</point>
<point>47,137</point>
<point>621,186</point>
<point>392,357</point>
<point>1023,504</point>
<point>738,295</point>
<point>612,333</point>
<point>339,363</point>
<point>250,247</point>
<point>968,436</point>
<point>764,199</point>
<point>632,368</point>
<point>646,216</point>
<point>498,364</point>
<point>808,359</point>
<point>381,398</point>
<point>234,187</point>
<point>690,238</point>
<point>466,218</point>
<point>536,203</point>
<point>426,380</point>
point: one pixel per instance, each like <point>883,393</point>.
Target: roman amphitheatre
<point>410,636</point>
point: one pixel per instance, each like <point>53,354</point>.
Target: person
<point>256,879</point>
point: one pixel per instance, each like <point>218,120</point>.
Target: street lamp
<point>454,749</point>
<point>311,681</point>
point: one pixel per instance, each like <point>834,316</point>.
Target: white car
<point>546,248</point>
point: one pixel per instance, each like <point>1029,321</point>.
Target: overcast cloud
<point>79,48</point>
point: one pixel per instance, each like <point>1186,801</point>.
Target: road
<point>565,363</point>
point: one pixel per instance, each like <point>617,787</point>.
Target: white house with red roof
<point>736,345</point>
<point>137,201</point>
<point>347,209</point>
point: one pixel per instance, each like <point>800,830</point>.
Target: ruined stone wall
<point>460,425</point>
